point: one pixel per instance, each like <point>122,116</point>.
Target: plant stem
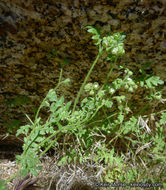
<point>34,127</point>
<point>109,74</point>
<point>12,177</point>
<point>82,87</point>
<point>59,82</point>
<point>49,146</point>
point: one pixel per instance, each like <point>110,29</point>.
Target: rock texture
<point>31,30</point>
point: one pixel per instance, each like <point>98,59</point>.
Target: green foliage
<point>104,120</point>
<point>163,118</point>
<point>114,44</point>
<point>96,34</point>
<point>153,81</point>
<point>3,185</point>
<point>29,162</point>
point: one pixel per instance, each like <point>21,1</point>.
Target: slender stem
<point>47,139</point>
<point>50,145</point>
<point>82,87</point>
<point>109,74</point>
<point>59,82</point>
<point>12,177</point>
<point>155,113</point>
<point>33,130</point>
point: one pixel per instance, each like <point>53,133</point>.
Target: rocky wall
<point>31,30</point>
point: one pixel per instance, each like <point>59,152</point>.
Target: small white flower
<point>115,51</point>
<point>129,79</point>
<point>96,85</point>
<point>111,90</point>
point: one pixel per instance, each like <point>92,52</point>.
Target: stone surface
<point>30,30</point>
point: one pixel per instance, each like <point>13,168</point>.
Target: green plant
<point>104,121</point>
<point>3,185</point>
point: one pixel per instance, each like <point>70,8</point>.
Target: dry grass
<point>54,177</point>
